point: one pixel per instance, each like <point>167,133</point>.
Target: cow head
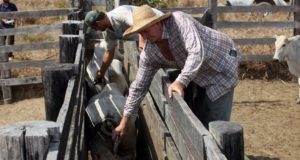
<point>280,44</point>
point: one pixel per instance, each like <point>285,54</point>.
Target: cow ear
<point>286,40</point>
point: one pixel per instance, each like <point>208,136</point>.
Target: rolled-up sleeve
<point>139,87</point>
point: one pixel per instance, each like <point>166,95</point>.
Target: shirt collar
<point>112,21</point>
<point>165,33</point>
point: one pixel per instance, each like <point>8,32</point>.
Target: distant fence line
<point>215,9</point>
<point>5,80</point>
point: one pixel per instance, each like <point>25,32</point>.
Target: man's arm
<point>107,58</point>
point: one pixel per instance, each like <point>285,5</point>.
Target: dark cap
<point>91,18</point>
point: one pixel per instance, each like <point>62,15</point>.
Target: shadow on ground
<point>251,157</point>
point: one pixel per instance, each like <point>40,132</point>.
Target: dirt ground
<point>265,109</point>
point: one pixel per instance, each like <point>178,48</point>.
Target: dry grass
<point>25,5</point>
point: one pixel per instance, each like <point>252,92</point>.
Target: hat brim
<point>144,24</point>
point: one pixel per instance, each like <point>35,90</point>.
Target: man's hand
<point>177,87</point>
<point>99,77</point>
<point>120,130</point>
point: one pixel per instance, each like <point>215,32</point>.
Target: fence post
<point>71,27</point>
<point>213,6</point>
<point>67,48</point>
<point>5,73</point>
<point>229,137</point>
<point>297,17</point>
<point>55,81</point>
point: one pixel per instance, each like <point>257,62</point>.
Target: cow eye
<point>283,45</point>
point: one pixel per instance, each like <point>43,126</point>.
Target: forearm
<point>107,59</point>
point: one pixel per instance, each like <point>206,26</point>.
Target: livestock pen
<point>166,134</point>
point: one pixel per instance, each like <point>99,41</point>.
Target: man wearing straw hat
<point>112,24</point>
<point>207,59</point>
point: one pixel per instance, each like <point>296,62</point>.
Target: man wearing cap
<point>207,59</point>
<point>112,24</point>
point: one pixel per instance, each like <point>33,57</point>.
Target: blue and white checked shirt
<point>201,53</point>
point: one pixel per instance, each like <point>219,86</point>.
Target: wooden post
<point>27,140</point>
<point>297,17</point>
<point>55,81</point>
<point>67,48</point>
<point>229,137</point>
<point>71,27</point>
<point>76,15</point>
<point>5,73</point>
<point>213,6</point>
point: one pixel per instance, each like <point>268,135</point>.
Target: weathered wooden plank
<point>284,24</point>
<point>27,140</point>
<point>183,117</point>
<point>212,150</point>
<point>130,48</point>
<point>255,41</point>
<point>55,80</point>
<point>67,48</point>
<point>62,116</point>
<point>229,137</point>
<point>157,93</point>
<point>37,13</point>
<point>11,142</point>
<point>232,9</point>
<point>155,126</point>
<point>26,47</point>
<point>189,10</point>
<point>297,17</point>
<point>213,6</point>
<point>171,149</point>
<point>258,58</point>
<point>26,64</point>
<point>52,151</point>
<point>21,81</point>
<point>183,141</point>
<point>72,151</point>
<point>31,29</point>
<point>38,136</point>
<point>4,74</point>
<point>52,128</point>
<point>68,117</point>
<point>71,27</point>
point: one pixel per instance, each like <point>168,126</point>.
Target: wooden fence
<point>215,9</point>
<point>64,102</point>
<point>5,66</point>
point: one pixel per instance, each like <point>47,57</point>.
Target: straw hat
<point>143,17</point>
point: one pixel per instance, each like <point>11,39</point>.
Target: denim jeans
<point>205,109</point>
<point>7,40</point>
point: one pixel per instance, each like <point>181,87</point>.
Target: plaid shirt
<point>201,53</point>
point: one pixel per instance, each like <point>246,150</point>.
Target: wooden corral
<point>216,10</point>
<point>6,80</point>
<point>168,128</point>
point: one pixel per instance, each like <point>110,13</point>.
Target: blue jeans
<point>7,40</point>
<point>205,109</point>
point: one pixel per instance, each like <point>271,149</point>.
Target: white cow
<point>288,49</point>
<point>114,73</point>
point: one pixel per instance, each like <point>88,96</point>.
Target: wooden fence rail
<point>6,82</point>
<point>216,9</point>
